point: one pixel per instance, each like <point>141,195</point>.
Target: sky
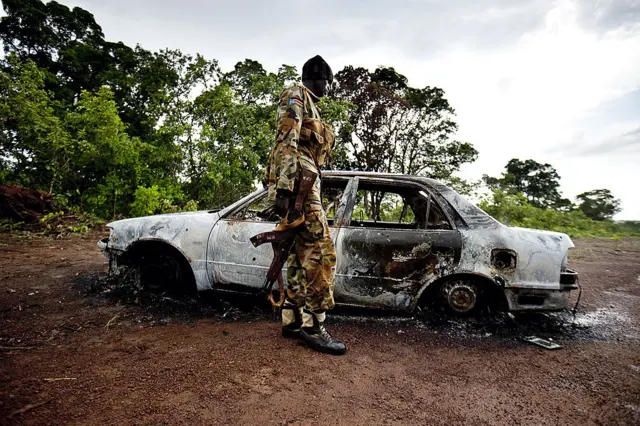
<point>555,81</point>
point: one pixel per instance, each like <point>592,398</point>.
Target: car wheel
<point>461,297</point>
<point>159,273</point>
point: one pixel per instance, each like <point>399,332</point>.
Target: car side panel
<point>539,256</point>
<point>387,268</point>
<point>234,260</point>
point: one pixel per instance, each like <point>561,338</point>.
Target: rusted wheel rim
<point>461,297</point>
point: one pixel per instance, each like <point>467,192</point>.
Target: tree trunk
<point>405,210</point>
<point>115,197</point>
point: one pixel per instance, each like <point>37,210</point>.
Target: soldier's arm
<point>289,123</point>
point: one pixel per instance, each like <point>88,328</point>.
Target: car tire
<point>158,272</point>
<point>461,297</point>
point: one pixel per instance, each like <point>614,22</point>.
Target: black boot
<point>317,337</point>
<point>291,320</point>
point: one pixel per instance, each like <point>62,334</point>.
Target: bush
<point>155,200</point>
<point>514,210</point>
<point>147,201</point>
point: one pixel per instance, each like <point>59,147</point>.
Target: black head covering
<point>317,69</point>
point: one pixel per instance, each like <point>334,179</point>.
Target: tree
<point>336,112</point>
<point>237,122</point>
<point>86,154</point>
<point>259,91</point>
<point>515,210</point>
<point>598,204</point>
<point>179,141</point>
<point>69,47</point>
<point>35,145</point>
<point>539,183</point>
<point>68,44</point>
<point>106,166</point>
<point>398,128</point>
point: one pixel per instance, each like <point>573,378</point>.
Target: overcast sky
<point>556,81</point>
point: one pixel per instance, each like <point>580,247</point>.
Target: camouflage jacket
<point>297,146</point>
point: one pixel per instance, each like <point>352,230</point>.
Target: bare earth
<point>116,361</point>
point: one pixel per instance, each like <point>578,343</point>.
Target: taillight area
<point>569,279</point>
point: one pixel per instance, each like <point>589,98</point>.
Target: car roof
<point>397,176</point>
<point>471,214</point>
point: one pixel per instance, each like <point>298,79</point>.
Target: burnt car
<point>403,242</point>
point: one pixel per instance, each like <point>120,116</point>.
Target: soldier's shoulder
<point>295,90</point>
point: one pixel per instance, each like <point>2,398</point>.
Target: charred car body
<point>402,241</point>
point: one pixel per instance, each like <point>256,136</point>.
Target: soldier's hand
<point>283,201</point>
<point>293,215</point>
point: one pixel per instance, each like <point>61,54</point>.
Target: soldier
<point>303,141</point>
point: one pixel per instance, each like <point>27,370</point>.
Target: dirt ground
<point>75,351</point>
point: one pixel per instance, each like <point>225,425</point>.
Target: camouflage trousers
<point>311,267</point>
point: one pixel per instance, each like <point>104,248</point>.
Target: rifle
<point>282,238</point>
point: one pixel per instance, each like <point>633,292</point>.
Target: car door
<point>395,239</point>
<point>234,263</point>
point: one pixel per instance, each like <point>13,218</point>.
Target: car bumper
<point>542,299</point>
<point>103,244</point>
<point>113,255</point>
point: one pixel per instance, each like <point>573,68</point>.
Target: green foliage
<point>190,206</point>
<point>64,222</point>
<point>85,153</point>
<point>155,200</point>
<point>539,183</point>
<point>34,142</point>
<point>598,204</point>
<point>336,112</point>
<point>516,210</point>
<point>70,49</point>
<point>629,226</point>
<point>382,206</point>
<point>468,188</point>
<point>9,225</point>
<point>527,194</point>
<point>147,201</point>
<point>106,162</point>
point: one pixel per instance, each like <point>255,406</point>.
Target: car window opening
<point>379,206</point>
<point>261,210</point>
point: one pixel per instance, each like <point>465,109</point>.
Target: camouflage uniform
<point>304,142</point>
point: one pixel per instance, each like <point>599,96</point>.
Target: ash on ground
<point>163,308</point>
<point>602,324</point>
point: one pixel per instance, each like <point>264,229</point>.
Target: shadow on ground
<point>602,324</point>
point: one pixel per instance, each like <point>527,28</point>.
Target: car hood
<point>160,217</point>
<point>186,231</point>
